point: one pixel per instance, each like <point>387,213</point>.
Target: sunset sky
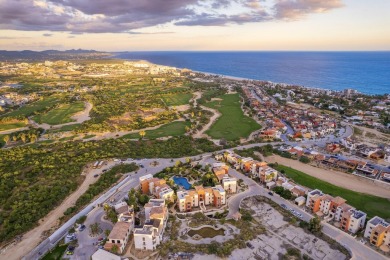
<point>136,25</point>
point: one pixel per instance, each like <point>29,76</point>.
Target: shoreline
<point>250,79</point>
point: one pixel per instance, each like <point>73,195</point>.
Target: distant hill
<point>28,55</point>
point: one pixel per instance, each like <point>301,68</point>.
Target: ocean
<point>367,72</point>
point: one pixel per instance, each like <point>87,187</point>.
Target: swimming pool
<point>182,182</point>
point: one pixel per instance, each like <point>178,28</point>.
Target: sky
<point>179,25</point>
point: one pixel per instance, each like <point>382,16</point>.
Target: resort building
<point>150,234</point>
<point>157,187</point>
<point>187,200</point>
<point>119,236</point>
<point>378,231</point>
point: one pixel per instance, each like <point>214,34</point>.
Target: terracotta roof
<point>119,230</point>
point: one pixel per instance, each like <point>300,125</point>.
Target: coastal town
<point>230,194</point>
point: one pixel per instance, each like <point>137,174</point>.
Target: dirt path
<point>100,136</point>
<point>78,117</point>
<point>32,238</point>
<point>213,118</point>
<point>10,131</point>
<point>337,178</point>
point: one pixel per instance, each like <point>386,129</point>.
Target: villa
<point>378,231</point>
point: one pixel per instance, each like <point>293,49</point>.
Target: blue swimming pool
<point>182,182</point>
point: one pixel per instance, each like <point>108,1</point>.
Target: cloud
<point>117,16</point>
<point>293,10</point>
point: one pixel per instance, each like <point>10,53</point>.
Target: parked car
<point>250,245</point>
<point>82,227</point>
<point>271,193</point>
<point>70,235</point>
<point>283,206</point>
<point>96,175</point>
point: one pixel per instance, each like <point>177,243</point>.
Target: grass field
<point>372,205</point>
<point>29,109</point>
<point>60,115</point>
<point>177,99</point>
<point>171,129</point>
<point>232,124</point>
<point>8,126</point>
<point>56,253</point>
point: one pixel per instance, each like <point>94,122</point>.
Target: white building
<point>229,184</point>
<point>148,237</point>
<point>101,254</point>
<point>312,194</point>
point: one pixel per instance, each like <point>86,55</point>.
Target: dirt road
<point>337,178</point>
<point>32,238</point>
<point>213,118</point>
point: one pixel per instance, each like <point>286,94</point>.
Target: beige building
<point>119,236</point>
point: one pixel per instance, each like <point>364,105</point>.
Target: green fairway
<point>372,205</point>
<point>29,109</point>
<point>60,115</point>
<point>232,124</point>
<point>8,126</point>
<point>177,99</point>
<point>171,129</point>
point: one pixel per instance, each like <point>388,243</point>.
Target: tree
<point>143,199</point>
<point>315,225</point>
<point>33,138</point>
<point>6,139</point>
<point>304,159</point>
<point>95,229</point>
<point>114,249</point>
<point>23,137</point>
<point>142,133</point>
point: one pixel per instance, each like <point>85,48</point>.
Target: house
<point>125,213</point>
<point>229,184</point>
<point>313,200</point>
<point>353,220</point>
<point>271,185</point>
<point>298,191</point>
<point>300,201</point>
<point>101,254</point>
<point>378,231</point>
<point>119,236</point>
<point>267,174</point>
